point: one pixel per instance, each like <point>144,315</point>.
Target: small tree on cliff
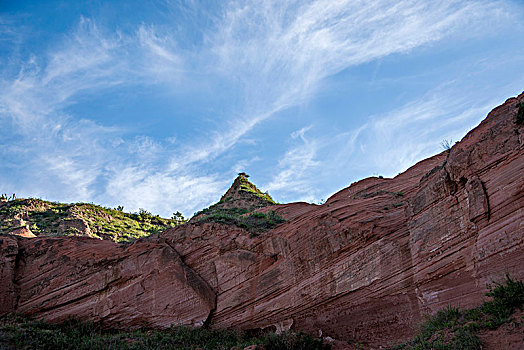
<point>178,218</point>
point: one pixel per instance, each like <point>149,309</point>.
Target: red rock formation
<point>363,267</point>
<point>8,287</point>
<point>367,264</point>
<point>23,231</point>
<point>128,286</point>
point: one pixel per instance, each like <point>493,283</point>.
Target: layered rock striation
<point>363,267</point>
<point>145,283</point>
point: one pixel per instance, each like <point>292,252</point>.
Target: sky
<point>159,104</point>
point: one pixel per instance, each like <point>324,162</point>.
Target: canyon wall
<point>363,267</point>
<point>142,284</point>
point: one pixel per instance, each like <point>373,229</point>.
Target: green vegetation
<point>291,340</point>
<point>178,218</point>
<point>453,328</point>
<point>58,219</point>
<point>241,217</point>
<point>247,186</point>
<point>240,207</point>
<point>27,333</point>
<point>519,118</point>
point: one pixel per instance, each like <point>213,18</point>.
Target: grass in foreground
<point>27,333</point>
<point>453,328</point>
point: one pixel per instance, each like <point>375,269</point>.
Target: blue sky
<point>159,104</point>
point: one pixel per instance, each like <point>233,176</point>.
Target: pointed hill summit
<point>238,206</point>
<point>244,194</point>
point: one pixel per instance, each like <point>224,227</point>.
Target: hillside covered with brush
<point>38,218</point>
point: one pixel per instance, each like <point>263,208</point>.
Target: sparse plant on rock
<point>446,144</point>
<point>452,328</point>
<point>519,118</point>
<point>178,218</point>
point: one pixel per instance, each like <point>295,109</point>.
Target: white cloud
<point>163,192</point>
<point>45,85</point>
<point>272,54</point>
<point>278,53</point>
<point>293,179</point>
<point>162,60</point>
<point>385,144</point>
<point>68,151</point>
<point>392,142</point>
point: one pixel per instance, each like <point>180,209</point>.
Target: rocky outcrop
<point>363,267</point>
<point>32,217</point>
<point>23,231</point>
<point>8,262</point>
<point>241,198</point>
<point>144,283</point>
<point>377,256</point>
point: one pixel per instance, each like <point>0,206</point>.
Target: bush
<point>27,333</point>
<point>144,215</point>
<point>452,328</point>
<point>292,341</point>
<point>178,218</point>
<point>254,223</point>
<point>506,297</point>
<point>446,145</point>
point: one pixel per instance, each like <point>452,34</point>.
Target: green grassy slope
<point>46,218</point>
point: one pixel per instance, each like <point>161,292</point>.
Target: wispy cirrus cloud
<point>72,152</point>
<point>394,141</point>
<point>261,57</point>
<point>385,144</point>
<point>292,180</point>
<point>163,62</point>
<point>66,151</point>
<point>46,84</point>
<point>280,52</point>
<point>277,54</point>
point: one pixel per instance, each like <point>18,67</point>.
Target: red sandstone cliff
<point>365,266</point>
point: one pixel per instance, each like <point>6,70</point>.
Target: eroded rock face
<point>128,286</point>
<point>363,267</point>
<point>8,286</point>
<point>367,264</point>
<point>23,231</point>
